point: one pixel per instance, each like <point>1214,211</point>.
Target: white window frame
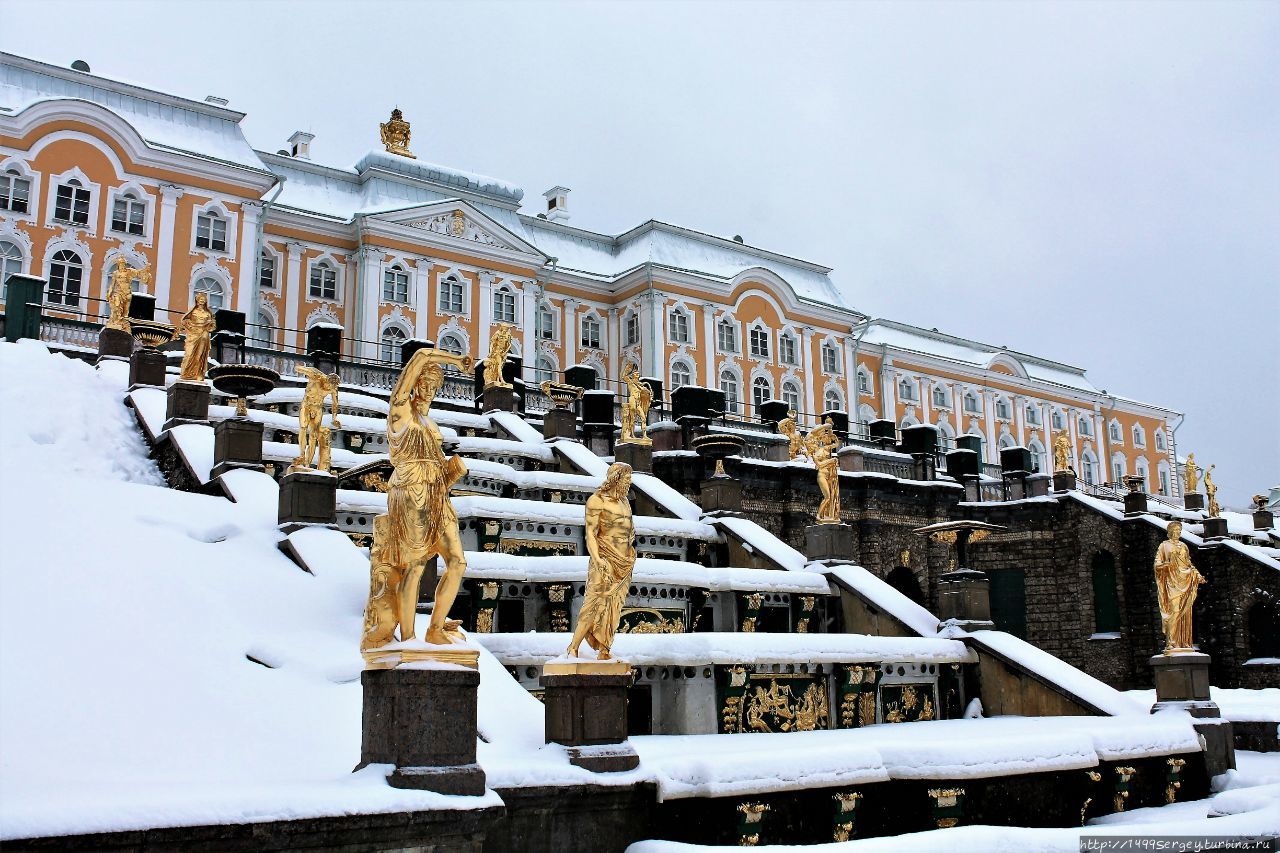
<point>1160,442</point>
<point>264,334</point>
<point>865,385</point>
<point>390,353</point>
<point>545,325</point>
<point>8,266</point>
<point>1139,436</point>
<point>595,341</point>
<point>447,286</point>
<point>504,298</point>
<point>631,329</point>
<point>133,194</point>
<point>758,382</point>
<point>831,358</point>
<point>1115,432</point>
<point>759,342</point>
<point>77,185</point>
<point>12,171</point>
<point>727,335</point>
<point>324,263</point>
<point>678,326</point>
<point>82,281</point>
<point>907,390</point>
<point>732,396</point>
<point>1084,424</point>
<point>395,275</point>
<point>213,209</point>
<point>681,365</point>
<point>1004,409</point>
<point>938,396</point>
<point>976,408</point>
<point>831,395</point>
<point>268,254</point>
<point>223,292</point>
<point>1033,414</point>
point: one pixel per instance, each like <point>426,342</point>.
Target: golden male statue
<point>313,437</point>
<point>635,412</point>
<point>196,326</point>
<point>1062,452</point>
<point>499,346</point>
<point>1211,490</point>
<point>420,522</point>
<point>610,537</point>
<point>795,441</point>
<point>822,443</point>
<point>1177,582</point>
<point>120,293</point>
<point>1193,474</point>
<point>396,133</point>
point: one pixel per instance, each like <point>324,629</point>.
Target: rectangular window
<point>727,336</point>
<point>830,358</point>
<point>907,390</point>
<point>545,327</point>
<point>323,282</point>
<point>504,307</point>
<point>15,193</point>
<point>1002,409</point>
<point>1164,483</point>
<point>939,396</point>
<point>787,349</point>
<point>64,284</point>
<point>971,404</point>
<point>395,286</point>
<point>759,342</point>
<point>590,333</point>
<point>633,329</point>
<point>211,232</point>
<point>127,215</point>
<point>72,204</point>
<point>267,272</point>
<point>679,327</point>
<point>451,295</point>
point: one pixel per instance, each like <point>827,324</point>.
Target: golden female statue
<point>1062,452</point>
<point>420,522</point>
<point>313,437</point>
<point>1177,582</point>
<point>635,412</point>
<point>822,443</point>
<point>1193,474</point>
<point>395,135</point>
<point>120,293</point>
<point>1211,490</point>
<point>499,346</point>
<point>610,539</point>
<point>795,441</point>
<point>196,326</point>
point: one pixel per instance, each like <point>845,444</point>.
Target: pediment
<point>459,221</point>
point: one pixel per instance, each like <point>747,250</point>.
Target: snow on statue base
<point>1182,684</point>
<point>187,403</point>
<point>586,711</point>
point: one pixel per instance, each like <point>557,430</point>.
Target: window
<point>971,403</point>
<point>1086,426</point>
<point>544,370</point>
<point>15,192</point>
<point>632,326</point>
<point>864,382</point>
<point>211,232</point>
<point>679,327</point>
<point>1033,415</point>
<point>10,264</point>
<point>1114,431</point>
<point>323,281</point>
<point>66,272</point>
<point>213,288</point>
<point>727,336</point>
<point>761,393</point>
<point>1106,601</point>
<point>395,285</point>
<point>504,306</point>
<point>1159,440</point>
<point>451,295</point>
<point>681,374</point>
<point>1058,421</point>
<point>939,396</point>
<point>832,401</point>
<point>791,395</point>
<point>759,342</point>
<point>263,334</point>
<point>267,271</point>
<point>72,203</point>
<point>128,213</point>
<point>1037,457</point>
<point>453,344</point>
<point>1139,438</point>
<point>1164,482</point>
<point>1140,469</point>
<point>729,385</point>
<point>545,323</point>
<point>830,358</point>
<point>787,349</point>
<point>392,339</point>
<point>1090,466</point>
<point>907,389</point>
<point>591,333</point>
<point>1003,410</point>
<point>1117,471</point>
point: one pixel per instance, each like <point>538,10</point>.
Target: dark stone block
<point>598,438</point>
<point>851,458</point>
<point>1015,459</point>
<point>1215,528</point>
<point>924,467</point>
<point>1063,481</point>
<point>962,464</point>
<point>692,427</point>
<point>113,343</point>
<point>1193,501</point>
<point>666,437</point>
<point>324,339</point>
<point>188,403</point>
<point>586,709</point>
<point>638,456</point>
<point>1135,503</point>
<point>1038,485</point>
<point>829,542</point>
<point>498,399</point>
<point>307,497</point>
<point>774,411</point>
<point>921,438</point>
<point>613,758</point>
<point>964,595</point>
<point>228,320</point>
<point>597,407</point>
<point>692,400</point>
<point>721,494</point>
<point>1263,519</point>
<point>142,306</point>
<point>237,443</point>
<point>1219,745</point>
<point>970,442</point>
<point>839,421</point>
<point>560,423</point>
<point>582,376</point>
<point>1181,677</point>
<point>147,367</point>
<point>411,346</point>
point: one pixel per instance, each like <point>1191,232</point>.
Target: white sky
<point>1095,183</point>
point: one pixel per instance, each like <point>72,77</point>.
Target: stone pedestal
<point>113,343</point>
<point>666,435</point>
<point>924,467</point>
<point>560,423</point>
<point>851,458</point>
<point>1182,684</point>
<point>1215,528</point>
<point>1263,519</point>
<point>828,542</point>
<point>237,443</point>
<point>1015,485</point>
<point>586,710</point>
<point>498,399</point>
<point>1037,485</point>
<point>721,494</point>
<point>598,438</point>
<point>147,368</point>
<point>1193,500</point>
<point>638,456</point>
<point>307,498</point>
<point>188,404</point>
<point>1135,503</point>
<point>423,721</point>
<point>1064,481</point>
<point>964,597</point>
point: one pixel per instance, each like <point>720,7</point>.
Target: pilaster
<point>570,326</point>
<point>169,195</point>
<point>246,295</point>
<point>485,313</point>
<point>293,291</point>
<point>806,359</point>
<point>709,344</point>
<point>367,298</point>
<point>421,298</point>
<point>528,313</point>
<point>850,371</point>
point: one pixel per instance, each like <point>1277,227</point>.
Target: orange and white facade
<point>395,248</point>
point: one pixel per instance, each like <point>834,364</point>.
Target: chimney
<point>557,204</point>
<point>300,144</point>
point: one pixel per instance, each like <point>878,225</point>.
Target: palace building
<point>395,248</point>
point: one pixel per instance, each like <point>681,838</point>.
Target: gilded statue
<point>1177,582</point>
<point>1193,474</point>
<point>821,444</point>
<point>395,135</point>
<point>1062,452</point>
<point>313,436</point>
<point>499,346</point>
<point>196,326</point>
<point>635,411</point>
<point>795,441</point>
<point>610,537</point>
<point>1211,491</point>
<point>420,522</point>
<point>120,294</point>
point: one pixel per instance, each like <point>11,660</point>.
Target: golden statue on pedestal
<point>195,327</point>
<point>610,537</point>
<point>499,346</point>
<point>120,294</point>
<point>1193,474</point>
<point>1062,452</point>
<point>1211,491</point>
<point>420,522</point>
<point>1177,582</point>
<point>313,436</point>
<point>795,441</point>
<point>821,443</point>
<point>635,411</point>
<point>395,135</point>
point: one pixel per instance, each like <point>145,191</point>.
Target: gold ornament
<point>610,536</point>
<point>821,444</point>
<point>313,437</point>
<point>196,326</point>
<point>395,135</point>
<point>795,441</point>
<point>635,411</point>
<point>1062,452</point>
<point>1177,583</point>
<point>1193,474</point>
<point>120,294</point>
<point>1211,489</point>
<point>499,346</point>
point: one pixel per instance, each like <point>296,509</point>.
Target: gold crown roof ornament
<point>395,135</point>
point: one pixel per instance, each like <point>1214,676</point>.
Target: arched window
<point>727,335</point>
<point>1118,468</point>
<point>787,350</point>
<point>10,264</point>
<point>1037,456</point>
<point>939,395</point>
<point>832,401</point>
<point>66,274</point>
<point>1162,476</point>
<point>866,414</point>
<point>761,393</point>
<point>545,323</point>
<point>1160,439</point>
<point>451,295</point>
<point>71,203</point>
<point>450,343</point>
<point>128,213</point>
<point>393,337</point>
<point>263,333</point>
<point>679,327</point>
<point>759,341</point>
<point>631,328</point>
<point>1140,470</point>
<point>1106,600</point>
<point>1086,426</point>
<point>590,333</point>
<point>211,286</point>
<point>864,381</point>
<point>15,192</point>
<point>971,404</point>
<point>830,358</point>
<point>544,370</point>
<point>1089,464</point>
<point>504,306</point>
<point>906,389</point>
<point>1033,415</point>
<point>1059,422</point>
<point>1139,437</point>
<point>323,281</point>
<point>681,374</point>
<point>1006,440</point>
<point>395,285</point>
<point>211,231</point>
<point>267,270</point>
<point>729,385</point>
<point>1003,410</point>
<point>791,395</point>
<point>1113,430</point>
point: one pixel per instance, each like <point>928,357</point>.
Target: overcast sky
<point>1095,183</point>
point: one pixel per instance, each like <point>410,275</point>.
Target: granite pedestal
<point>188,403</point>
<point>423,721</point>
<point>560,423</point>
<point>828,541</point>
<point>1064,481</point>
<point>498,399</point>
<point>1193,501</point>
<point>964,598</point>
<point>599,438</point>
<point>147,368</point>
<point>114,343</point>
<point>721,494</point>
<point>587,712</point>
<point>1263,519</point>
<point>1182,684</point>
<point>638,456</point>
<point>1215,528</point>
<point>237,443</point>
<point>666,436</point>
<point>1135,503</point>
<point>307,498</point>
<point>1038,485</point>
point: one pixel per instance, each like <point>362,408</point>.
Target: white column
<point>1020,420</point>
<point>169,195</point>
<point>421,297</point>
<point>570,325</point>
<point>658,340</point>
<point>850,375</point>
<point>709,344</point>
<point>350,301</point>
<point>246,295</point>
<point>888,392</point>
<point>925,386</point>
<point>957,408</point>
<point>806,360</point>
<point>367,297</point>
<point>528,308</point>
<point>614,344</point>
<point>989,407</point>
<point>293,291</point>
<point>1072,431</point>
